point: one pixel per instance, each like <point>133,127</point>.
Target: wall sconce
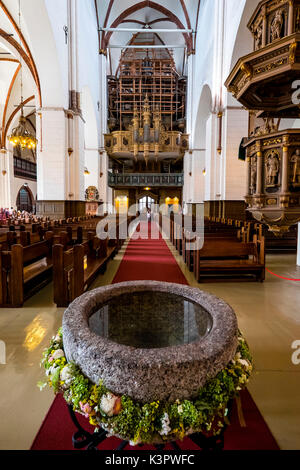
<point>70,194</point>
<point>70,151</point>
<point>101,174</point>
<point>86,171</point>
<point>204,172</point>
<point>190,173</point>
<point>4,172</point>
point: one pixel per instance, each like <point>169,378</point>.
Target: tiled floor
<point>268,314</point>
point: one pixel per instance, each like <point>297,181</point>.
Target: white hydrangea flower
<point>57,338</point>
<point>180,409</point>
<point>51,370</point>
<point>165,425</point>
<point>244,362</point>
<point>107,404</point>
<point>66,374</point>
<point>58,354</point>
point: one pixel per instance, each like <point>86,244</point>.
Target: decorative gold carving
<point>266,143</point>
<point>292,55</point>
<point>271,202</point>
<point>270,66</point>
<point>246,69</point>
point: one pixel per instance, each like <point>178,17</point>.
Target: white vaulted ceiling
<point>159,14</point>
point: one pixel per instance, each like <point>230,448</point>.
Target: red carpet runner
<point>152,260</point>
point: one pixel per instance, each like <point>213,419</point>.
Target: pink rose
<point>86,409</point>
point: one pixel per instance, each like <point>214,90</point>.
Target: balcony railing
<point>25,169</point>
<point>145,179</point>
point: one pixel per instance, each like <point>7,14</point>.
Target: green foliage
<point>150,420</point>
<point>143,422</point>
<point>128,421</point>
<point>80,389</point>
<point>55,379</point>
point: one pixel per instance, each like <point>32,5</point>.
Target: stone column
<point>5,180</point>
<point>198,176</point>
<point>264,34</point>
<point>248,176</point>
<point>291,17</point>
<point>259,181</point>
<point>285,170</point>
<point>52,160</point>
<point>75,189</point>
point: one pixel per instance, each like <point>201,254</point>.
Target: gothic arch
<point>25,199</point>
<point>148,4</point>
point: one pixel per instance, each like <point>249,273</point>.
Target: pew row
<point>225,260</point>
<point>24,271</point>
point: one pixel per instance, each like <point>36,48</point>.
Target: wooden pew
<point>24,271</point>
<point>75,269</point>
<point>228,260</point>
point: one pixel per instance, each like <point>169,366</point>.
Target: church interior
<point>149,225</point>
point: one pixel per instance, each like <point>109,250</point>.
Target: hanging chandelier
<point>20,136</point>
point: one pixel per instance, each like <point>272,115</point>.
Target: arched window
<point>24,200</point>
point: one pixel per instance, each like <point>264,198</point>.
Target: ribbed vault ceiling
<point>158,14</point>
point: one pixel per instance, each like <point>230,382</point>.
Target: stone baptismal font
<point>144,360</point>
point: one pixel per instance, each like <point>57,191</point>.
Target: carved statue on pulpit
<point>276,25</point>
<point>295,159</point>
<point>267,127</point>
<point>272,167</point>
<point>258,37</point>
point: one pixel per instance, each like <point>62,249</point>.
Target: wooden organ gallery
<point>147,123</point>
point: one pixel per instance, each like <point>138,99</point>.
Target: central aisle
<point>149,259</point>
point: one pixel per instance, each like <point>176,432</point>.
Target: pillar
<point>234,171</point>
<point>106,193</point>
<point>264,34</point>
<point>60,163</point>
<point>248,176</point>
<point>285,170</point>
<point>52,161</point>
<point>291,17</point>
<point>259,171</point>
<point>5,179</point>
<point>198,177</point>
